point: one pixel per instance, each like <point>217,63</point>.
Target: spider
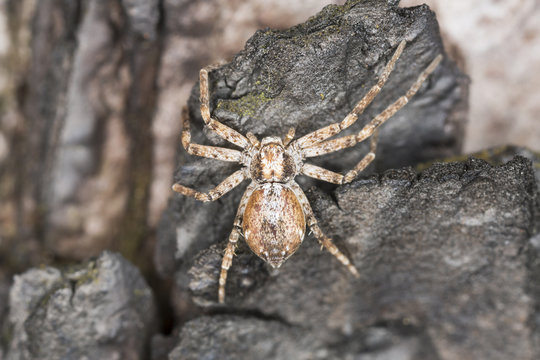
<point>274,211</point>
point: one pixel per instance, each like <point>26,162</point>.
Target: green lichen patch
<point>246,105</point>
<point>85,277</point>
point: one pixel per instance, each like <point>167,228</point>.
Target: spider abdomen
<point>274,224</point>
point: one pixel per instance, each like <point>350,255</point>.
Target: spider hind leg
<point>324,240</point>
<point>233,243</point>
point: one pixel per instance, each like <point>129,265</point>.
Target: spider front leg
<point>233,241</point>
<point>212,152</point>
<point>334,129</point>
<point>224,187</point>
<point>323,174</point>
<point>325,241</point>
<point>325,147</point>
<point>222,130</point>
<point>387,113</point>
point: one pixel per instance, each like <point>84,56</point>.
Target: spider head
<point>272,163</point>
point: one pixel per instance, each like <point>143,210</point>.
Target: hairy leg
<point>233,241</point>
<point>325,241</point>
<point>222,130</point>
<point>387,113</point>
<point>325,147</point>
<point>289,136</point>
<point>334,129</point>
<point>212,152</point>
<point>323,174</point>
<point>253,140</point>
<point>224,187</point>
<point>366,160</point>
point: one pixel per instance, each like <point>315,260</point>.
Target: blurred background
<point>91,94</point>
<point>497,43</point>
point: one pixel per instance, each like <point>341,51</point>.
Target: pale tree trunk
<point>82,146</point>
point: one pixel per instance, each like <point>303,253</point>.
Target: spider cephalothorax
<point>273,162</point>
<point>274,211</point>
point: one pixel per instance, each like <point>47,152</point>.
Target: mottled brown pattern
<point>274,211</point>
<point>329,146</point>
<point>273,164</point>
<point>274,223</point>
<point>320,173</point>
<point>318,135</point>
<point>204,150</point>
<point>224,187</point>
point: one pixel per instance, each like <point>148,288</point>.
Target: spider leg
<point>387,113</point>
<point>212,152</point>
<point>320,173</point>
<point>366,160</point>
<point>334,129</point>
<point>329,146</point>
<point>325,241</point>
<point>222,130</point>
<point>289,136</point>
<point>253,140</point>
<point>233,240</point>
<point>224,187</point>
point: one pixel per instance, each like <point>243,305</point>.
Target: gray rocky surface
<point>4,296</point>
<point>314,73</point>
<point>448,257</point>
<point>102,310</point>
<point>308,77</point>
<point>446,273</point>
<point>238,337</point>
